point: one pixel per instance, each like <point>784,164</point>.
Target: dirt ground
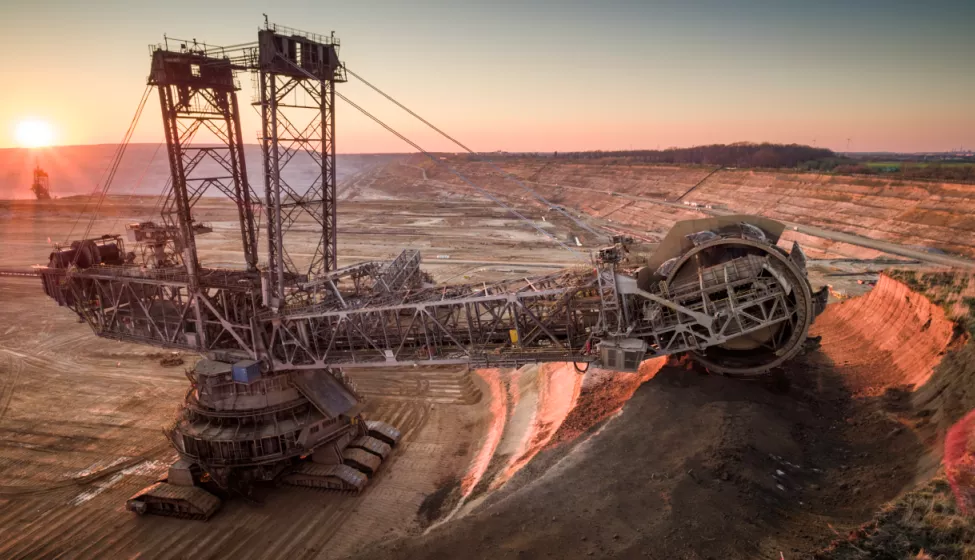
<point>697,466</point>
<point>81,432</point>
<point>81,417</point>
<point>536,462</point>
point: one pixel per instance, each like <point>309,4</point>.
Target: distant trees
<point>950,172</point>
<point>852,169</point>
<point>728,155</point>
<point>775,156</point>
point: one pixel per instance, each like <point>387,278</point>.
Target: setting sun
<point>34,134</point>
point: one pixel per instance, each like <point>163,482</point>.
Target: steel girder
<point>165,312</point>
<point>505,328</point>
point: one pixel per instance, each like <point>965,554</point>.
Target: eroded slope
<point>698,466</point>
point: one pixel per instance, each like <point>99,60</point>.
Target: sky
<point>535,76</point>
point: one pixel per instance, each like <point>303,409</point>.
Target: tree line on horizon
<point>765,155</point>
<point>934,171</point>
<point>724,155</point>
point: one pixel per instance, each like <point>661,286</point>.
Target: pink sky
<point>532,76</point>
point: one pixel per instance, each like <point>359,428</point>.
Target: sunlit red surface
<point>959,461</point>
<point>889,337</point>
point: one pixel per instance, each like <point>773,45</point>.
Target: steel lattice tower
<point>297,74</point>
<point>197,91</point>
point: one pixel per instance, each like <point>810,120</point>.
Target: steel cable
<point>507,175</point>
<point>112,169</point>
<point>142,178</point>
<point>435,160</point>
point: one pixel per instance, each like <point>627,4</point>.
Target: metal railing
<point>192,46</point>
<point>20,272</point>
<point>321,39</point>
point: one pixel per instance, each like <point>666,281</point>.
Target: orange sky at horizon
<point>873,76</point>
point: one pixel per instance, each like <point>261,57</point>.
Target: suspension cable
<point>449,168</point>
<point>480,157</point>
<point>157,205</point>
<point>136,186</point>
<point>460,176</point>
<point>118,160</point>
<point>113,168</point>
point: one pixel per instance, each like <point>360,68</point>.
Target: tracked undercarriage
<point>240,426</point>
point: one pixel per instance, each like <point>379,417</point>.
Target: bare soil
<point>695,466</point>
<point>81,417</point>
<point>668,463</point>
<point>644,199</point>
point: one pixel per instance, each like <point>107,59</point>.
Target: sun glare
<point>34,134</point>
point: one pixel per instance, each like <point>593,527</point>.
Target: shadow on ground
<point>699,466</point>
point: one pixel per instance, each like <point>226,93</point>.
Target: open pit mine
<point>270,402</point>
<point>467,410</point>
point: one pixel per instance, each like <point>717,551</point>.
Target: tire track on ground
<point>13,370</point>
<point>86,479</point>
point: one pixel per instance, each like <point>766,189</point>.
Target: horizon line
<point>107,144</point>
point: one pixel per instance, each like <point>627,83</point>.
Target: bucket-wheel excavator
<point>270,400</point>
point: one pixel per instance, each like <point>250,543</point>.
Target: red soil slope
<point>959,461</point>
<point>603,395</point>
<point>889,337</point>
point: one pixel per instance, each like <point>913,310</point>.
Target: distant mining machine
<point>41,187</point>
<point>271,400</point>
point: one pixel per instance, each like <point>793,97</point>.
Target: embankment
<point>890,337</point>
<point>702,466</point>
<point>644,197</point>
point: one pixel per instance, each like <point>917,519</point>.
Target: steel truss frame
<point>222,312</point>
<point>552,318</point>
<point>737,308</point>
<point>199,92</point>
<point>298,117</point>
<point>165,310</point>
<point>376,313</point>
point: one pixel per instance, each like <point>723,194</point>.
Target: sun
<point>32,133</point>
